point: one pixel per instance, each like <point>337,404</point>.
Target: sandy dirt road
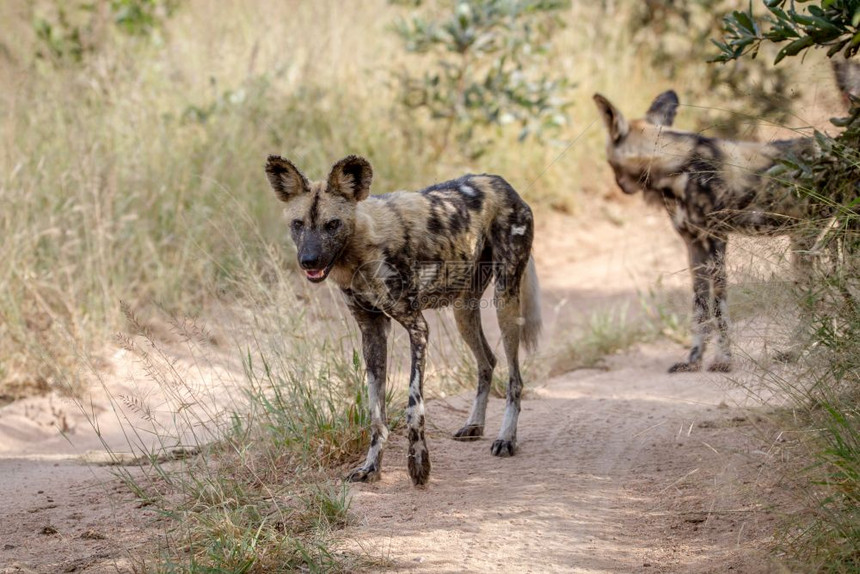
<point>625,470</point>
<point>621,469</point>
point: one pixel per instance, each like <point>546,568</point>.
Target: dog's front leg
<point>374,337</point>
<point>419,456</point>
<point>700,268</point>
<point>723,362</point>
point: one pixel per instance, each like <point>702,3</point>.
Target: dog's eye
<point>332,225</point>
<point>297,225</point>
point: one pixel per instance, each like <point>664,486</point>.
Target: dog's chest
<point>404,287</point>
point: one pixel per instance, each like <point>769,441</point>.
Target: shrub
<point>830,373</point>
<point>486,54</point>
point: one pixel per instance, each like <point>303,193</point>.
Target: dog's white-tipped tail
<point>530,314</point>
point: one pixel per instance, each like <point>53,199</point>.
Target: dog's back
<point>709,185</point>
<point>442,235</point>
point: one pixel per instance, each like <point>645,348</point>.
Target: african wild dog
<point>395,255</point>
<point>710,187</point>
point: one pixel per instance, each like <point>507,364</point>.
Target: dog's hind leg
<point>374,337</point>
<point>700,266</point>
<point>508,312</point>
<point>805,252</point>
<point>467,313</point>
<point>512,243</point>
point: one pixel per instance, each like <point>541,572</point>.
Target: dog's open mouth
<point>317,275</point>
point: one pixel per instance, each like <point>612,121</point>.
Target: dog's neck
<point>355,252</point>
<point>345,266</point>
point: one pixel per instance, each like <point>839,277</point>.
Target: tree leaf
<point>794,48</point>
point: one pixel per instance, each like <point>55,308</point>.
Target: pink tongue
<point>315,274</point>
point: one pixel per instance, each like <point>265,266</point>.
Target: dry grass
<point>137,176</point>
<point>243,455</point>
<point>119,176</point>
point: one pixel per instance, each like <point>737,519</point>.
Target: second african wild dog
<point>710,187</point>
<point>397,254</point>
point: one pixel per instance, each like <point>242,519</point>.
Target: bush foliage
<point>831,372</point>
<point>486,69</point>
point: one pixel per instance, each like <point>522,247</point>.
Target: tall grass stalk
<point>118,174</point>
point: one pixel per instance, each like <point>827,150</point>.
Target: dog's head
<point>321,214</point>
<point>631,146</point>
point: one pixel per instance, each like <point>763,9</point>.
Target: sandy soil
<point>622,469</point>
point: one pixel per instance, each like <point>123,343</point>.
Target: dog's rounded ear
<point>663,109</point>
<point>285,178</point>
<point>351,178</point>
<point>614,120</point>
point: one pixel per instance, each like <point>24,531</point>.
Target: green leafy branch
<point>829,23</point>
<point>482,75</point>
